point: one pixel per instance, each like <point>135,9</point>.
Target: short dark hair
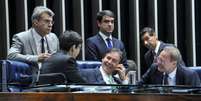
<point>100,14</point>
<point>68,39</point>
<point>115,50</point>
<point>148,30</point>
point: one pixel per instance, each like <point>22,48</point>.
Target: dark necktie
<point>42,46</point>
<point>165,79</point>
<point>154,57</point>
<point>109,43</point>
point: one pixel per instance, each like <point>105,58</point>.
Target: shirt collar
<point>105,76</point>
<point>104,36</point>
<point>157,47</point>
<point>37,35</point>
<point>172,74</point>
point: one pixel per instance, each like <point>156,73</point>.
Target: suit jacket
<point>96,48</point>
<point>61,62</point>
<point>94,76</point>
<point>24,49</point>
<point>184,76</point>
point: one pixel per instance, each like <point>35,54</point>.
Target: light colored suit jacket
<point>24,49</point>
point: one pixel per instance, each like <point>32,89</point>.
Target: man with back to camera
<point>64,61</point>
<point>97,45</point>
<point>168,71</point>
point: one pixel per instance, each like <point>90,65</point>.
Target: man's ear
<point>72,48</point>
<point>98,23</point>
<point>35,22</point>
<point>175,63</point>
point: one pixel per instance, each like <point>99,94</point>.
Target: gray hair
<point>115,50</point>
<point>174,52</point>
<point>40,10</point>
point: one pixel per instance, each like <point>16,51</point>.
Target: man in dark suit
<point>150,41</point>
<point>64,60</point>
<point>96,46</point>
<point>168,71</point>
<point>110,71</point>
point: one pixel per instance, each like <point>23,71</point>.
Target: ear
<point>35,22</point>
<point>175,63</point>
<point>72,48</point>
<point>98,23</point>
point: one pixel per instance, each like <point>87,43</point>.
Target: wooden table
<point>67,96</point>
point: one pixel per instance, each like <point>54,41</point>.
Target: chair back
<point>88,64</point>
<point>197,69</point>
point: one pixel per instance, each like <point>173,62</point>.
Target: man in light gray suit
<point>38,43</point>
<point>28,46</point>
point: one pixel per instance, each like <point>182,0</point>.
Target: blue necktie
<point>109,43</point>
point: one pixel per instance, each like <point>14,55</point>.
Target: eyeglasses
<point>159,60</point>
<point>47,21</point>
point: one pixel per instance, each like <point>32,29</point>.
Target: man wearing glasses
<point>168,71</point>
<point>36,44</point>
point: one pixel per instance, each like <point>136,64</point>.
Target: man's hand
<point>121,71</point>
<point>43,56</point>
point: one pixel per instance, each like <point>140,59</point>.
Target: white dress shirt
<point>37,39</point>
<point>105,37</point>
<point>172,78</point>
<point>107,78</point>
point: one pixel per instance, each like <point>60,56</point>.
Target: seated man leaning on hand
<point>110,71</point>
<point>168,70</point>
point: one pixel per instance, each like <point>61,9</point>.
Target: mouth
<point>108,65</point>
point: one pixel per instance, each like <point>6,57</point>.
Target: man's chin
<point>160,69</point>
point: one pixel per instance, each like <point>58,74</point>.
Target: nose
<point>50,24</point>
<point>110,61</point>
<point>110,22</point>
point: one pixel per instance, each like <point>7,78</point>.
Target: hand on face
<point>121,71</point>
<point>110,61</point>
<point>110,64</point>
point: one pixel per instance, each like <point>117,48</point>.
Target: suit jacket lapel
<point>117,80</point>
<point>32,41</point>
<point>160,49</point>
<point>101,42</point>
<point>179,76</point>
<point>114,43</point>
<point>99,77</point>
